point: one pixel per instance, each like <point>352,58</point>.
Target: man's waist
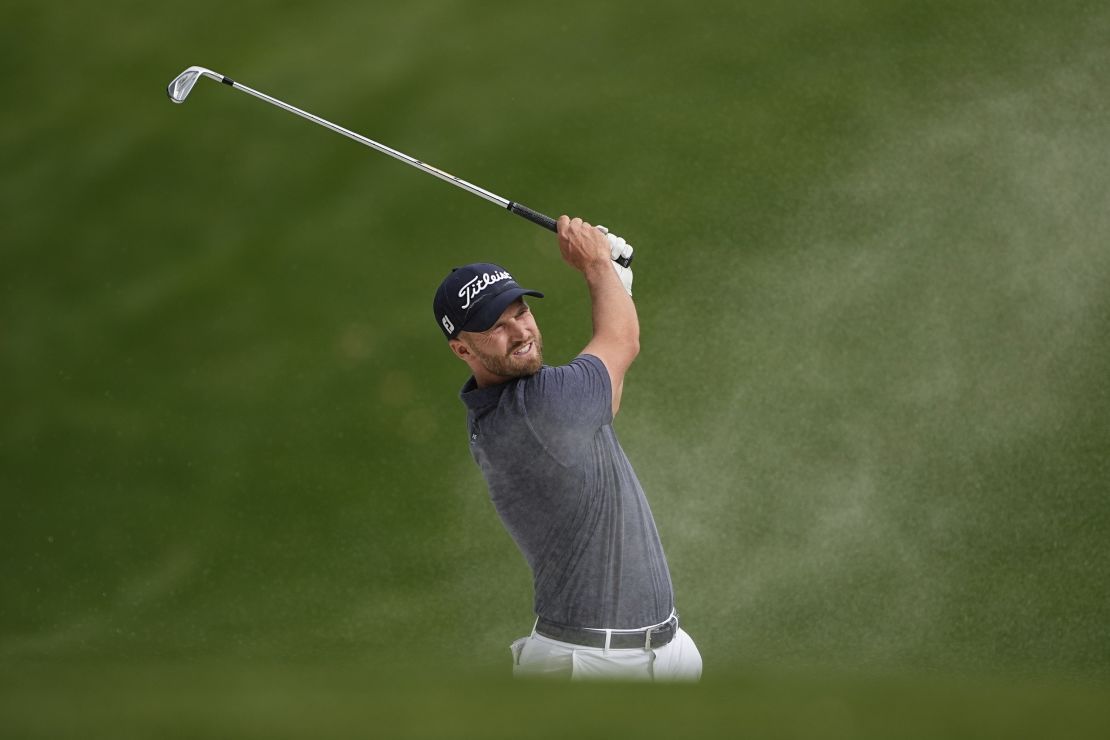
<point>653,636</point>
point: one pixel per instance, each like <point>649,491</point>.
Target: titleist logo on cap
<point>477,284</point>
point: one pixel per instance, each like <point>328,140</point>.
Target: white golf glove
<point>619,248</point>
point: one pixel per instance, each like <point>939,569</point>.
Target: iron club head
<point>182,85</point>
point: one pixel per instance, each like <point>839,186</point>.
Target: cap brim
<point>486,313</point>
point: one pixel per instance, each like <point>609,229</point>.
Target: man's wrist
<point>596,270</point>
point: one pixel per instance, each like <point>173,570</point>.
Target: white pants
<point>536,655</point>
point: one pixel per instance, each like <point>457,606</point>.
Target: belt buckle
<point>653,630</point>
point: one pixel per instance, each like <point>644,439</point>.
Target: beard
<point>508,366</point>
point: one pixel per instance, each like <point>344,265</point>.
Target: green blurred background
<point>872,410</point>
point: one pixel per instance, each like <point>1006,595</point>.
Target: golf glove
<point>618,248</point>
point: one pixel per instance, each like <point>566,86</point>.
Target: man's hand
<point>618,249</point>
<point>582,246</point>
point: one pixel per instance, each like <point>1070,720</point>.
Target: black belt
<point>651,637</point>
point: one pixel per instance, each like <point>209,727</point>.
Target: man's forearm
<point>614,313</point>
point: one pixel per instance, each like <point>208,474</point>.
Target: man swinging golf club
<point>557,476</point>
<point>544,440</point>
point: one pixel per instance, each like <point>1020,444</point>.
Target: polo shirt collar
<point>476,398</point>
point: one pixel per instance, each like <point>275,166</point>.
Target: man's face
<point>512,347</point>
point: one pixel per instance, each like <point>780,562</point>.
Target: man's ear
<point>459,348</point>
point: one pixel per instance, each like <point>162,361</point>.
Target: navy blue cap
<point>472,298</point>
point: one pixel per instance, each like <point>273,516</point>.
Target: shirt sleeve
<point>566,405</point>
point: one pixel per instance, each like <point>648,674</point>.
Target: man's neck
<point>485,380</point>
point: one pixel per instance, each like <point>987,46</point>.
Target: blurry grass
<point>195,700</point>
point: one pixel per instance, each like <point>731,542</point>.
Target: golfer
<point>557,476</point>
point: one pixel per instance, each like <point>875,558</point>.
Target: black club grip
<point>534,216</point>
<point>549,223</point>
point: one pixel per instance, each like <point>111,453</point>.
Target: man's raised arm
<point>616,338</point>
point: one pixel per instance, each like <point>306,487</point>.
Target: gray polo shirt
<point>564,489</point>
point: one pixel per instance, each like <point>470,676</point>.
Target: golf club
<point>183,84</point>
